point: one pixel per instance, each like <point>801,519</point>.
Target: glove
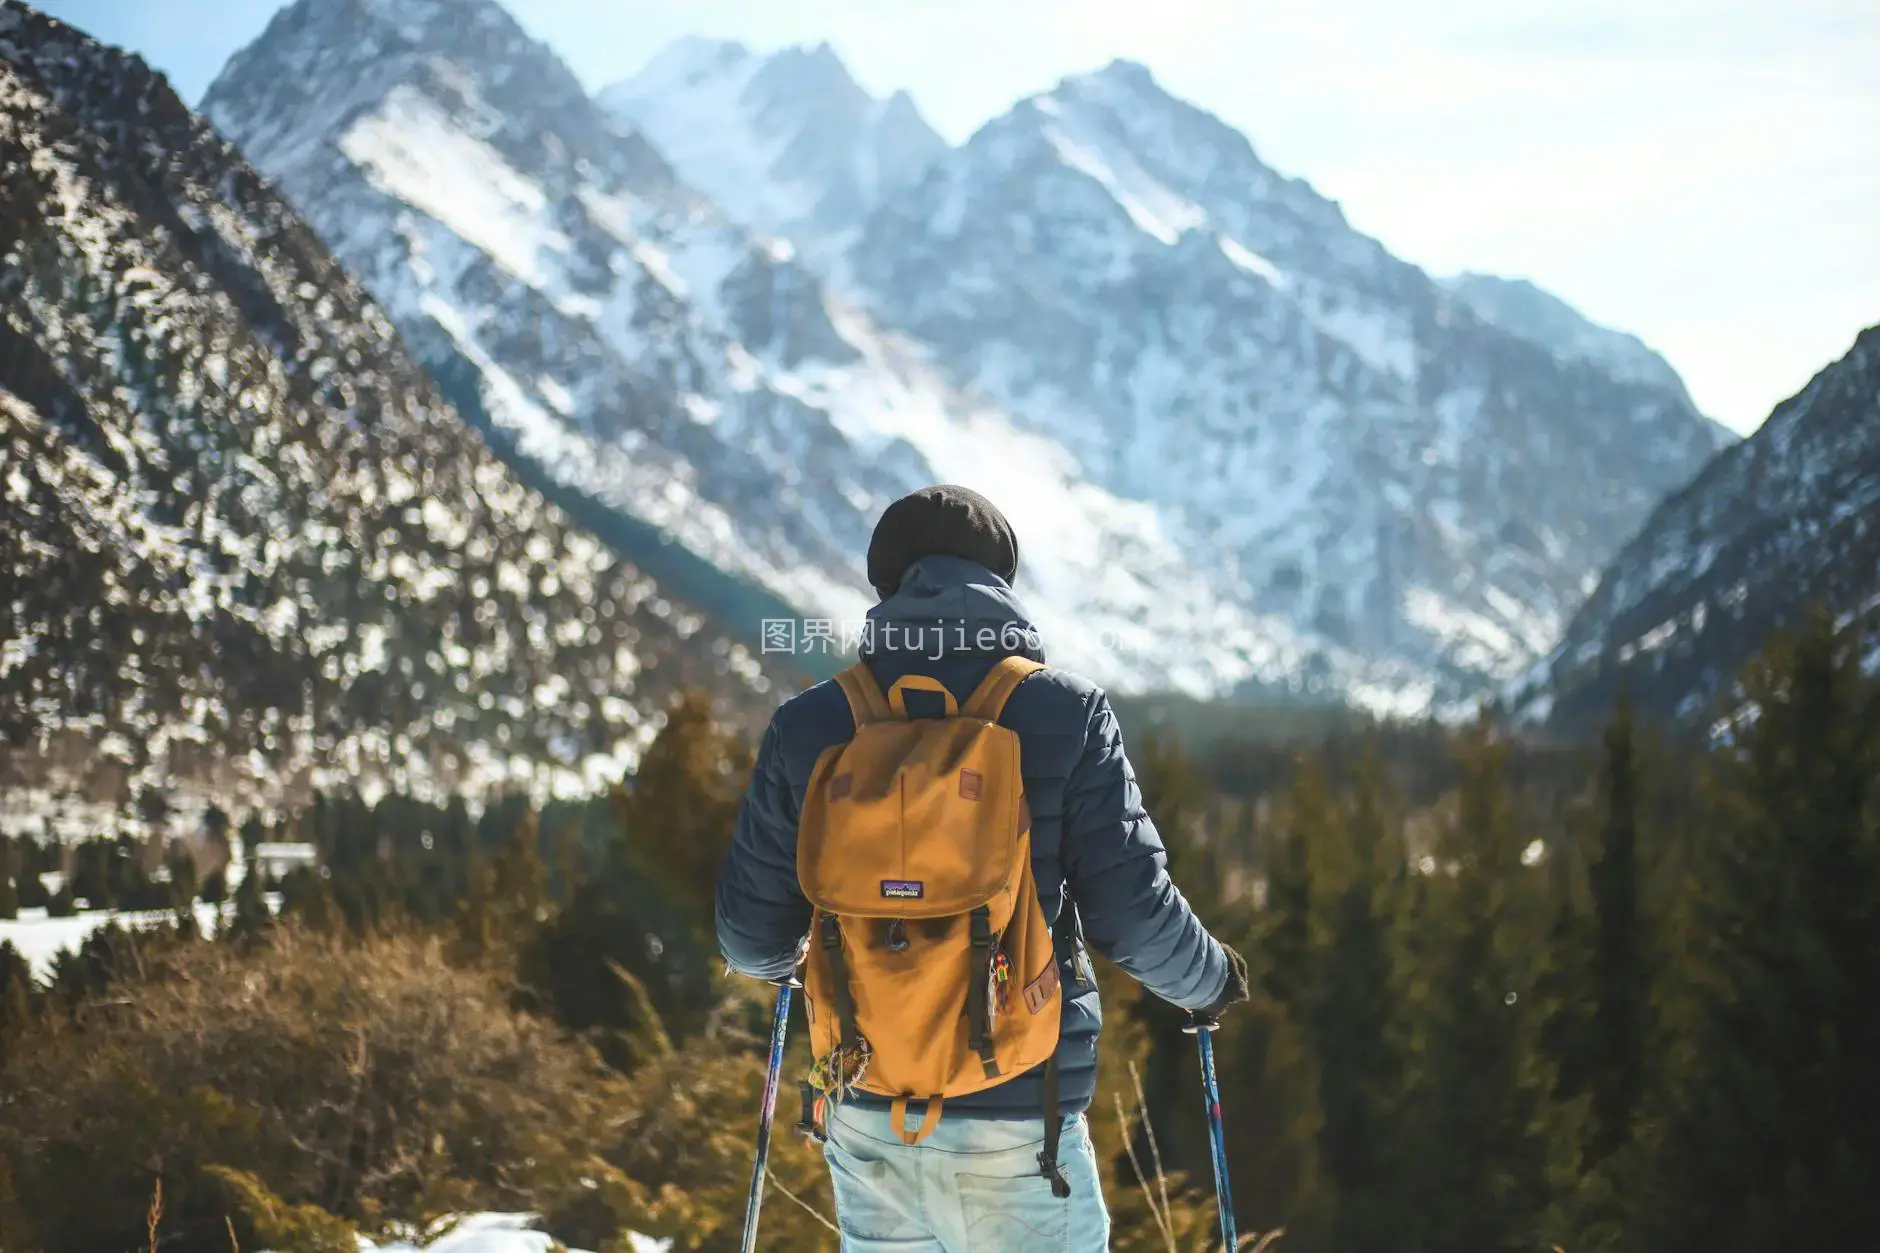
<point>1236,990</point>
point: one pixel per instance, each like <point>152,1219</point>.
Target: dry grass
<point>372,1080</point>
<point>1174,1224</point>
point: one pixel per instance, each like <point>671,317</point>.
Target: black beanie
<point>954,521</point>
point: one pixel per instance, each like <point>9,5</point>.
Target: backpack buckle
<point>810,1124</point>
<point>1048,1167</point>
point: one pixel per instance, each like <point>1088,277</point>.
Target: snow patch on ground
<point>40,938</point>
<point>498,1233</point>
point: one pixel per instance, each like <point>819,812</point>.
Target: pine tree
<point>1478,1167</point>
<point>1596,995</point>
<point>522,876</point>
<point>1309,829</point>
<point>251,917</point>
<point>31,860</point>
<point>679,812</point>
<point>1773,1125</point>
<point>91,882</point>
<point>254,834</point>
<point>508,898</point>
<point>182,868</point>
<point>1173,795</point>
<point>646,910</point>
<point>1620,979</point>
<point>12,869</point>
<point>17,994</point>
<point>1353,1026</point>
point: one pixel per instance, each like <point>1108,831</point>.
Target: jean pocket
<point>867,1198</point>
<point>1012,1214</point>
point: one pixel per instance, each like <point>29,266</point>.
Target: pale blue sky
<point>1705,173</point>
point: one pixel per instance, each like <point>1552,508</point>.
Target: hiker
<point>953,1010</point>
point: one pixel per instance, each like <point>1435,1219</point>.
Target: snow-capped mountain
<point>1364,453</point>
<point>658,359</point>
<point>245,547</point>
<point>787,145</point>
<point>1545,320</point>
<point>1787,520</point>
<point>1243,445</point>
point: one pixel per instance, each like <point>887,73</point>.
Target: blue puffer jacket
<point>1090,838</point>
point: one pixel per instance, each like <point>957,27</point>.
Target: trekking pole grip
<point>1199,1021</point>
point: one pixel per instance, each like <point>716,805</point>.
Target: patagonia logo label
<point>903,889</point>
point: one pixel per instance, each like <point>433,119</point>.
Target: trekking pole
<point>1202,1028</point>
<point>778,1026</point>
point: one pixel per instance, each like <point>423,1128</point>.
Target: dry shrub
<point>285,1228</point>
<point>373,1080</point>
<point>683,1143</point>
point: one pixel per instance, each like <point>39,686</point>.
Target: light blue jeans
<point>970,1187</point>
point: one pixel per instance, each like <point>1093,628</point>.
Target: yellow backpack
<point>930,971</point>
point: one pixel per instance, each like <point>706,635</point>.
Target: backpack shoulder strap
<point>866,702</point>
<point>988,699</point>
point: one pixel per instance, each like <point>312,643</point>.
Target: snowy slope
<point>658,359</point>
<point>1367,456</point>
<point>248,550</point>
<point>787,145</point>
<point>1786,520</point>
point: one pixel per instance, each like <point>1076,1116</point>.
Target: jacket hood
<point>948,606</point>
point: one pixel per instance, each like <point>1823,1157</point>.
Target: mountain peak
<point>693,55</point>
<point>328,67</point>
<point>1121,80</point>
<point>1128,73</point>
<point>813,71</point>
<point>787,144</point>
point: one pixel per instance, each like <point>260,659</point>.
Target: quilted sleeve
<point>762,916</point>
<point>1118,874</point>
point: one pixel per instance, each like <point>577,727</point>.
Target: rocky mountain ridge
<point>1785,522</point>
<point>246,548</point>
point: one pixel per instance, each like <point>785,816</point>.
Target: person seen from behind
<point>938,836</point>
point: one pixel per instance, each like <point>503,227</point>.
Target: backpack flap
<point>914,819</point>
